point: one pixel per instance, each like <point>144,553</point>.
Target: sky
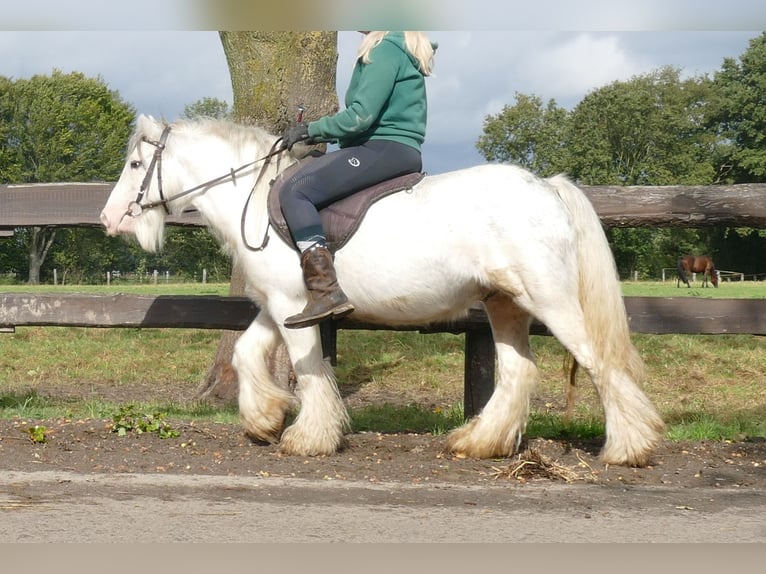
<point>162,63</point>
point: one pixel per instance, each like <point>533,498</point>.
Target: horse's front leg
<point>263,403</point>
<point>498,429</point>
<point>322,420</point>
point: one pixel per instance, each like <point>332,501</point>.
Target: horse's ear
<point>145,123</point>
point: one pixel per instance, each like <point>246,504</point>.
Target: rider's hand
<point>295,134</point>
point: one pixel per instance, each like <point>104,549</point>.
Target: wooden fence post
<point>479,377</point>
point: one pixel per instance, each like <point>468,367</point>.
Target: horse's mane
<point>225,129</point>
<point>236,134</point>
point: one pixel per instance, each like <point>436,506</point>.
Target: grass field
<point>706,386</point>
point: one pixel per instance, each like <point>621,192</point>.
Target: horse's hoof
<point>263,435</point>
<point>260,441</point>
<point>295,444</point>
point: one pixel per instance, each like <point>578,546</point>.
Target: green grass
<point>161,288</point>
<point>413,418</point>
<point>726,289</point>
<point>707,387</point>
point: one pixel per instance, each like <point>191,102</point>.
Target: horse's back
<point>697,264</point>
<point>489,213</point>
<point>477,195</point>
<point>453,238</point>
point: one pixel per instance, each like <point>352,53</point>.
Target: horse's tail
<point>600,294</point>
<point>633,426</point>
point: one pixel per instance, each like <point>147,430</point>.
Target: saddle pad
<point>342,218</point>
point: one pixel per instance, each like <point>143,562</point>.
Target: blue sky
<point>167,61</point>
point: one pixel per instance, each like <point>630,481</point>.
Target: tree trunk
<point>272,74</point>
<point>40,241</point>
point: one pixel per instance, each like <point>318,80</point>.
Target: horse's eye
<point>135,164</point>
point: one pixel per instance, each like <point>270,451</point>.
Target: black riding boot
<point>326,298</point>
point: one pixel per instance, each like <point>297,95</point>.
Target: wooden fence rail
<point>79,204</point>
<point>646,315</point>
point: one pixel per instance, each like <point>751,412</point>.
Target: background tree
<point>272,73</point>
<point>58,128</point>
<point>528,135</point>
<point>208,108</point>
<point>10,169</point>
<point>739,115</point>
<point>649,130</point>
<point>739,118</point>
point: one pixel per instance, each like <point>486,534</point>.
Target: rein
<point>136,208</point>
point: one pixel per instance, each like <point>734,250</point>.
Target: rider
<point>379,135</point>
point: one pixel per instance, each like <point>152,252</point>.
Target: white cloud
<point>578,64</point>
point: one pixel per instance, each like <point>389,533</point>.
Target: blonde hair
<point>417,44</point>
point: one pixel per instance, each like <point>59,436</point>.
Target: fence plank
<point>680,205</point>
<point>696,315</point>
<point>646,315</point>
<point>79,204</point>
<point>659,315</point>
<point>120,310</point>
<point>62,205</point>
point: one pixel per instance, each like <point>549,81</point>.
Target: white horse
<point>524,246</point>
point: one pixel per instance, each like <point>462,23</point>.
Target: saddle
<point>342,218</point>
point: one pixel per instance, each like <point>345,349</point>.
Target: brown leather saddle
<point>342,218</point>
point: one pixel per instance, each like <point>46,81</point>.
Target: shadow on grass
<point>414,419</point>
<point>23,401</point>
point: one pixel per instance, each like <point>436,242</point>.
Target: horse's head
<point>131,208</point>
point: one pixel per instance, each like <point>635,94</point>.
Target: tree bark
<point>272,74</point>
<point>40,241</point>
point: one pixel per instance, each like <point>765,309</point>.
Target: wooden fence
<point>79,205</point>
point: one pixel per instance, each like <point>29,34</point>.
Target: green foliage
<point>648,130</point>
<point>37,434</point>
<point>388,418</point>
<point>129,418</point>
<point>697,426</point>
<point>208,108</point>
<point>527,134</point>
<point>739,115</point>
<point>62,127</point>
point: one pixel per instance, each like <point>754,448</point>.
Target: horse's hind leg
<point>322,420</point>
<point>263,404</point>
<point>633,426</point>
<point>498,429</point>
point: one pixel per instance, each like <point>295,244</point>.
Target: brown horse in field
<point>691,264</point>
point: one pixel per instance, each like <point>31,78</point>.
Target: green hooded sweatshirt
<point>386,99</point>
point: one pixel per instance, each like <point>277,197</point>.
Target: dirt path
<point>87,483</point>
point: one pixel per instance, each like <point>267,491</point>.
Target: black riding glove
<point>295,134</point>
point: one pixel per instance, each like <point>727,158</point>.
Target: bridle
<point>136,207</point>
